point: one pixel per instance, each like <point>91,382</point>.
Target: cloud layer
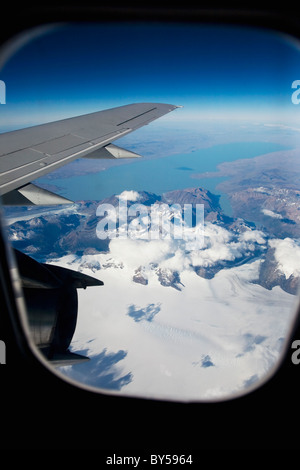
<point>206,339</point>
<point>287,255</point>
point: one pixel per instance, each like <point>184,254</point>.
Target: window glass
<point>197,242</point>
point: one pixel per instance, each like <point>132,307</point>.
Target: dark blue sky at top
<point>80,68</point>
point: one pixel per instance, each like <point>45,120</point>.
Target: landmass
<point>264,190</point>
<point>229,241</point>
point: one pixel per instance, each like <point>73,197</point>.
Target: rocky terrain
<point>270,275</point>
<point>275,210</point>
<point>55,234</point>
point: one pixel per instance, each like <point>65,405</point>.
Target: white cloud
<point>238,324</point>
<point>222,245</point>
<point>21,235</point>
<point>270,213</point>
<point>283,126</point>
<point>254,236</point>
<point>35,223</point>
<point>220,318</point>
<point>287,255</point>
<point>219,245</point>
<point>134,253</point>
<point>210,256</point>
<point>179,261</point>
<point>129,196</point>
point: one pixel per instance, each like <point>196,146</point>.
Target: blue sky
<point>210,70</point>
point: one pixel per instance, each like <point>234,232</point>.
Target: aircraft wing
<point>50,292</point>
<point>32,152</point>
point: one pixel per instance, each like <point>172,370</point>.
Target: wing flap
<point>32,194</point>
<point>36,164</point>
<point>59,144</point>
<point>12,161</point>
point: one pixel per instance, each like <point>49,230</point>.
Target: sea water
<point>160,175</point>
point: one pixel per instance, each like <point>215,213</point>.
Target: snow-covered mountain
<point>173,319</point>
<point>226,241</point>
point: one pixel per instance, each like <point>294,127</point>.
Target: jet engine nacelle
<point>50,294</point>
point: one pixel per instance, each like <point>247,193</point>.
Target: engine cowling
<point>50,294</point>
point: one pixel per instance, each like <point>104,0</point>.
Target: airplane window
<point>150,186</point>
